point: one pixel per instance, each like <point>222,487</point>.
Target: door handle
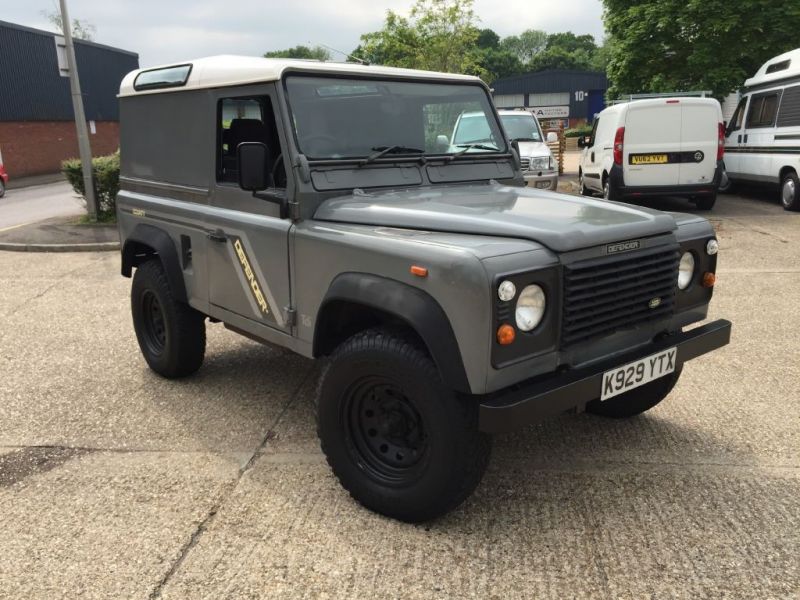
<point>739,139</point>
<point>592,156</point>
<point>745,137</point>
<point>217,236</point>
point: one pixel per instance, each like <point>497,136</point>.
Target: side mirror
<point>442,143</point>
<point>552,136</point>
<point>253,166</point>
<point>585,141</point>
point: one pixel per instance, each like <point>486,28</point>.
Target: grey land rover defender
<point>317,207</point>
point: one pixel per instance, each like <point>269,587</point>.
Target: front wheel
<point>401,442</point>
<point>790,191</point>
<point>636,401</point>
<point>171,334</point>
<point>585,191</point>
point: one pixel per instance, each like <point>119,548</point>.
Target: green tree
<point>566,51</point>
<point>439,35</point>
<point>81,28</point>
<point>315,53</point>
<point>526,45</point>
<point>497,61</point>
<point>681,45</point>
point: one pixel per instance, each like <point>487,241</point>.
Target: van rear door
<point>700,119</point>
<point>652,134</point>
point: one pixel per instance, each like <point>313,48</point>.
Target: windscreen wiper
<point>383,150</point>
<point>467,147</point>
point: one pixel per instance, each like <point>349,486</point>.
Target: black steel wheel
<point>171,334</point>
<point>401,442</point>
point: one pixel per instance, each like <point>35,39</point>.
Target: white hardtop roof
<point>230,70</point>
<point>793,69</point>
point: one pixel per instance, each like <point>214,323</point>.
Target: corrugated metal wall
<point>551,81</point>
<point>31,88</point>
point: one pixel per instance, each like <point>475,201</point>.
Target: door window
<point>247,119</point>
<point>738,117</point>
<point>789,114</point>
<point>593,135</point>
<point>762,110</point>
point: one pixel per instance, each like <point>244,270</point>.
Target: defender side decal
<point>250,276</point>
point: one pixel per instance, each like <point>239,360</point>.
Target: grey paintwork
<point>466,232</point>
<point>558,221</point>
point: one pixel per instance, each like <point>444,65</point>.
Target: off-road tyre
<point>636,401</point>
<point>790,191</point>
<point>706,202</point>
<point>171,334</point>
<point>399,441</point>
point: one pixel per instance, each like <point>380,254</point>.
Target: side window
<point>738,116</point>
<point>593,135</point>
<point>247,119</point>
<point>762,110</point>
<point>789,114</point>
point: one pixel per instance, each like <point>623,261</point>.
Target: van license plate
<point>649,159</point>
<point>630,376</point>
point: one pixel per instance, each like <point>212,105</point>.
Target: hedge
<point>106,182</point>
<point>585,129</point>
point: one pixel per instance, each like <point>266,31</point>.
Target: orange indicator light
<point>505,334</point>
<point>419,271</point>
<point>709,279</point>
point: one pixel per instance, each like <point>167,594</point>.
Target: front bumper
<point>544,180</point>
<point>552,394</point>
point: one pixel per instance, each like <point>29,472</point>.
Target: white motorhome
<point>655,147</point>
<point>762,142</point>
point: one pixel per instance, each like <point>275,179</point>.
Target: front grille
<point>611,293</point>
<point>525,163</point>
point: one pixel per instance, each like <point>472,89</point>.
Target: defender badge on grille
<point>654,303</point>
<point>623,246</point>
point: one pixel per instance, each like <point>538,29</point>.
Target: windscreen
<point>522,127</point>
<point>337,118</point>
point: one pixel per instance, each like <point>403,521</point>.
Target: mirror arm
<point>282,201</point>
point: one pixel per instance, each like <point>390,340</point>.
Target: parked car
<point>539,168</point>
<point>655,147</point>
<point>3,180</point>
<point>307,205</point>
<point>762,142</point>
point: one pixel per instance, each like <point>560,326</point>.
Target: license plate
<point>649,159</point>
<point>630,376</point>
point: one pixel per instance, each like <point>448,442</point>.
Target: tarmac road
<point>20,206</point>
<point>115,483</point>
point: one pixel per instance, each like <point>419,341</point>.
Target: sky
<point>164,31</point>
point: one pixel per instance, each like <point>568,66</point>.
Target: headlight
<point>712,247</point>
<point>540,163</point>
<point>685,270</point>
<point>506,291</point>
<point>530,307</point>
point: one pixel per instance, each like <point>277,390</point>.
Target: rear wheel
<point>2,188</point>
<point>609,191</point>
<point>399,441</point>
<point>725,183</point>
<point>706,202</point>
<point>637,400</point>
<point>790,191</point>
<point>171,334</point>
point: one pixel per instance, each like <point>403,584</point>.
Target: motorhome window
<point>778,66</point>
<point>248,119</point>
<point>762,110</point>
<point>789,114</point>
<point>738,116</point>
<point>162,78</point>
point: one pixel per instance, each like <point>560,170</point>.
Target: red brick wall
<point>38,147</point>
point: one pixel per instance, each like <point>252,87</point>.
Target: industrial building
<point>555,97</point>
<point>37,126</point>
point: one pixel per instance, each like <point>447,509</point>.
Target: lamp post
<point>84,148</point>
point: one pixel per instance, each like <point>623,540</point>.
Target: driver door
<point>734,141</point>
<point>248,257</point>
<point>592,160</point>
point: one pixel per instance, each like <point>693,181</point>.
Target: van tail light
<point>619,142</point>
<point>720,141</point>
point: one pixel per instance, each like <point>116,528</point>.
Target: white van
<point>655,147</point>
<point>763,137</point>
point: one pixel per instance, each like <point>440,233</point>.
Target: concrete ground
<point>22,206</point>
<point>115,483</point>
